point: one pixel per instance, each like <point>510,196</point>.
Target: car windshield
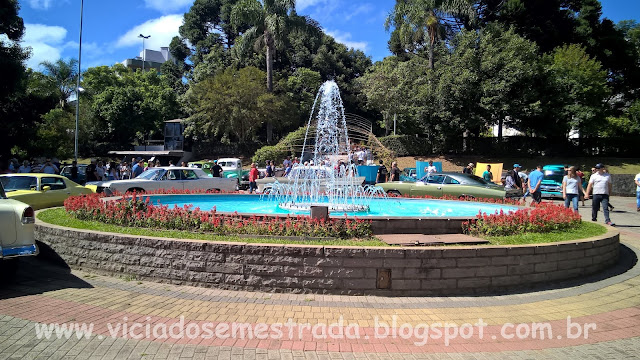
<point>13,183</point>
<point>228,164</point>
<point>554,177</point>
<point>151,174</point>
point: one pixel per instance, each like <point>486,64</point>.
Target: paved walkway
<point>542,324</point>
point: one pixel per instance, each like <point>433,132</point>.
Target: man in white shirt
<point>600,183</point>
<point>431,168</point>
<point>637,181</point>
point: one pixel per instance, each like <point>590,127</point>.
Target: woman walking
<point>571,188</point>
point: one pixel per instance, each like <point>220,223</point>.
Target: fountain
<point>326,177</point>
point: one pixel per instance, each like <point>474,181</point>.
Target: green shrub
<point>288,146</point>
<point>406,145</point>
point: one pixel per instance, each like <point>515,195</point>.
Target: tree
<point>233,106</point>
<point>63,74</point>
<point>420,24</point>
<point>578,89</point>
<point>270,22</point>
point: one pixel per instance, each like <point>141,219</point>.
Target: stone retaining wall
<point>397,271</point>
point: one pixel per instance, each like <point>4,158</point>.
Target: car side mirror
<point>46,188</point>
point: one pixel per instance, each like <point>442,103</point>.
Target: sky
<point>111,27</point>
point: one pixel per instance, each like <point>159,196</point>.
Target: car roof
<point>228,159</point>
<point>34,174</point>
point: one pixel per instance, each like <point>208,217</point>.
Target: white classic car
<point>16,233</point>
<point>167,178</point>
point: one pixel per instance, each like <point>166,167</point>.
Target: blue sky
<point>111,27</point>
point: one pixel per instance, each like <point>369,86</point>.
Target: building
<point>153,59</point>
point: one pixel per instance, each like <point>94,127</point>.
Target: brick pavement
<point>47,293</point>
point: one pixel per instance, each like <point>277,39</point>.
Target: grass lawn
<point>59,216</point>
<point>585,230</point>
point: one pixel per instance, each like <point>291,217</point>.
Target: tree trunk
<point>270,51</point>
<point>500,123</point>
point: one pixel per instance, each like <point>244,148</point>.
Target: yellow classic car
<point>40,190</point>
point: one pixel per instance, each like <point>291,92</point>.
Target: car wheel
<point>394,193</point>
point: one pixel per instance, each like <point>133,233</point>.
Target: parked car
<point>40,190</point>
<point>551,186</point>
<point>232,169</point>
<point>448,183</point>
<point>205,165</point>
<point>82,173</point>
<point>409,175</point>
<point>17,234</point>
<point>169,177</point>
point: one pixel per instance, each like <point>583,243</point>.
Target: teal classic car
<point>448,184</point>
<point>551,186</point>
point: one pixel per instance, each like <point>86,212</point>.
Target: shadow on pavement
<point>37,275</point>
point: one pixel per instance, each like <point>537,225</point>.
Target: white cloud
<point>46,43</point>
<point>359,10</point>
<point>162,30</point>
<point>168,6</point>
<point>303,4</point>
<point>40,4</point>
<point>345,38</point>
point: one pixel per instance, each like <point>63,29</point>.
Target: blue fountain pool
<point>389,207</point>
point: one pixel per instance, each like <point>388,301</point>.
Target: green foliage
<point>406,145</point>
<point>63,75</point>
<point>55,134</point>
<point>234,105</point>
<point>288,146</point>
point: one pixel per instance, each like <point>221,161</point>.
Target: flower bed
<point>136,212</point>
<point>545,217</point>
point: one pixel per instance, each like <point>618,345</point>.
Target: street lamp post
<point>75,153</point>
<point>143,52</point>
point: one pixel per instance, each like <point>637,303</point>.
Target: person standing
<point>91,171</point>
<point>100,171</point>
<point>382,173</point>
<point>468,169</point>
<point>25,167</point>
<point>253,176</point>
<point>49,168</point>
<point>600,184</point>
<point>430,169</point>
<point>125,171</point>
<point>216,170</point>
<point>637,181</point>
<point>581,188</point>
<point>113,171</point>
<point>535,179</point>
<point>269,169</point>
<point>571,188</point>
<point>137,169</point>
<point>487,175</point>
<point>395,172</point>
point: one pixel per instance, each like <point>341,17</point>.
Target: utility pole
<point>75,153</point>
<point>143,52</point>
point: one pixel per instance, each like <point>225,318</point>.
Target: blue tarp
<point>370,172</point>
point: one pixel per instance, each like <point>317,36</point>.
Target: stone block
<point>458,253</point>
<point>264,270</point>
<point>546,249</point>
<point>214,257</point>
<point>575,254</point>
<point>304,250</point>
<point>244,280</point>
<point>532,259</point>
<point>383,253</point>
<point>491,252</point>
<point>505,260</point>
<point>194,265</point>
<point>402,263</point>
<point>302,271</point>
<point>520,269</point>
<point>567,264</point>
<point>534,278</point>
<point>224,268</point>
<point>500,281</point>
<point>546,267</point>
<point>556,256</point>
<point>362,262</point>
<point>492,271</point>
<point>474,282</point>
<point>264,249</point>
<point>322,262</point>
<point>341,251</point>
<point>454,273</point>
<point>524,250</point>
<point>320,283</point>
<point>585,261</point>
<point>405,284</point>
<point>338,273</point>
<point>419,273</point>
<point>438,263</point>
<point>473,262</point>
<point>423,253</point>
<point>438,284</point>
<point>359,284</point>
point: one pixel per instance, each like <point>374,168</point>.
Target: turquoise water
<point>253,204</point>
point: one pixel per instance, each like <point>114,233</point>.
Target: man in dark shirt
<point>91,171</point>
<point>468,169</point>
<point>216,170</point>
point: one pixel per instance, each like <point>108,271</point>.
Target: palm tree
<point>420,21</point>
<point>63,75</point>
<point>270,22</point>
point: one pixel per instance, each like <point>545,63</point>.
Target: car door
<point>8,221</point>
<point>57,193</point>
<point>431,186</point>
<point>452,187</point>
<point>190,180</point>
<point>174,179</point>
